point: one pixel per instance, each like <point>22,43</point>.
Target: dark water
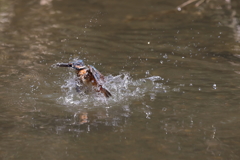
<point>174,77</point>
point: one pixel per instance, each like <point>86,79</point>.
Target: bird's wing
<point>97,75</point>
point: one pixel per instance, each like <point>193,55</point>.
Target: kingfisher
<point>88,77</point>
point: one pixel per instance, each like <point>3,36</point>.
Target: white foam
<point>123,88</point>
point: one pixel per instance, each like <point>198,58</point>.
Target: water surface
<point>174,77</point>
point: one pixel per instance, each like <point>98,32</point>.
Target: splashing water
<point>122,87</point>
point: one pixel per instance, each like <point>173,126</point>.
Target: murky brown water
<point>174,77</point>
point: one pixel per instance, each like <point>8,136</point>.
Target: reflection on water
<point>45,2</point>
<point>174,77</point>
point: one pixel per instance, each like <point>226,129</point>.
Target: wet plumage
<point>88,76</point>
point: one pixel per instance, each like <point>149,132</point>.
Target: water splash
<point>123,88</point>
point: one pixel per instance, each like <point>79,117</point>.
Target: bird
<point>88,77</point>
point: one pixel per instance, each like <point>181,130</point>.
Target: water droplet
<point>147,72</point>
<point>152,96</point>
<point>148,114</point>
<point>164,109</point>
<point>176,89</point>
<point>165,56</point>
<point>214,86</point>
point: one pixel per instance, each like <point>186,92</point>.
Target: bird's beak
<point>64,64</point>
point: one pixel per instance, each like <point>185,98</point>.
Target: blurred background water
<point>171,66</point>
